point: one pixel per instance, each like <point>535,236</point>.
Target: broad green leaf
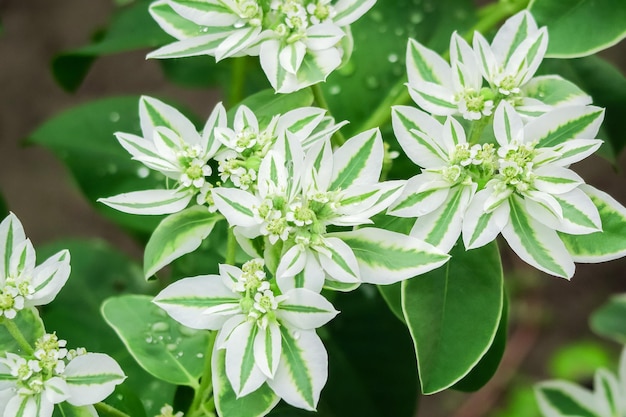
<point>30,325</point>
<point>580,27</point>
<point>488,365</point>
<point>600,246</point>
<point>66,409</point>
<point>378,59</point>
<point>392,294</point>
<point>130,28</point>
<point>564,399</point>
<point>379,380</point>
<point>453,315</point>
<point>266,104</point>
<point>100,271</point>
<point>255,404</point>
<point>177,235</point>
<point>607,85</point>
<point>162,346</point>
<point>82,137</point>
<point>608,320</point>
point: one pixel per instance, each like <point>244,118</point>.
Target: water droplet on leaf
<point>416,18</point>
<point>143,172</point>
<point>334,90</point>
<point>392,58</point>
<point>114,117</point>
<point>372,83</point>
<point>160,326</point>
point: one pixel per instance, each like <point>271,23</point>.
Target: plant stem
<point>490,16</point>
<point>200,403</point>
<point>238,81</point>
<point>105,409</point>
<point>17,335</point>
<point>231,247</point>
<point>318,95</point>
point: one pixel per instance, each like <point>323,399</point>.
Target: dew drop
<point>334,90</point>
<point>160,312</point>
<point>296,335</point>
<point>347,69</point>
<point>392,58</point>
<point>149,339</point>
<point>416,18</point>
<point>186,331</point>
<point>200,355</point>
<point>372,83</point>
<point>204,29</point>
<point>119,397</point>
<point>160,326</point>
<point>143,172</point>
<point>171,346</point>
<point>398,31</point>
<point>112,168</point>
<point>382,28</point>
<point>114,117</point>
<point>180,354</point>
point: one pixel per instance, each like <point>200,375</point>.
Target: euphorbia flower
<point>300,42</point>
<point>269,337</point>
<point>22,284</point>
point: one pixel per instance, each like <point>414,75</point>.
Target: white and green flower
<point>172,146</point>
<point>533,194</point>
<point>32,384</point>
<point>22,284</point>
<point>452,171</point>
<point>269,336</point>
<point>448,89</point>
<point>301,194</point>
<point>300,42</point>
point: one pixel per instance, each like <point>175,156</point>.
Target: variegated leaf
<point>555,91</point>
<point>149,202</point>
<point>91,378</point>
<point>171,22</point>
<point>385,257</point>
<point>564,399</point>
<point>425,65</point>
<point>600,246</point>
<point>417,132</point>
<point>236,205</point>
<point>177,235</point>
<point>535,243</point>
<point>11,235</point>
<point>228,404</point>
<point>358,161</point>
<point>563,124</point>
<point>243,373</point>
<point>303,369</point>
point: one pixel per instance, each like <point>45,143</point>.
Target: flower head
<point>300,42</point>
<point>22,284</point>
<point>52,374</point>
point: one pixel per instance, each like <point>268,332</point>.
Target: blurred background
<point>549,333</point>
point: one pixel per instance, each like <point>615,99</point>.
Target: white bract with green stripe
<point>508,66</point>
<point>608,399</point>
<point>533,194</point>
<point>22,284</point>
<point>300,42</point>
<point>172,146</point>
<point>269,335</point>
<point>31,385</point>
<point>300,194</point>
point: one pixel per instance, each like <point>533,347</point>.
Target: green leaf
<point>255,404</point>
<point>600,246</point>
<point>100,271</point>
<point>555,91</point>
<point>4,208</point>
<point>607,86</point>
<point>608,320</point>
<point>30,325</point>
<point>177,235</point>
<point>488,365</point>
<point>130,28</point>
<point>66,409</point>
<point>266,104</point>
<point>578,361</point>
<point>580,27</point>
<point>563,399</point>
<point>82,137</point>
<point>453,315</point>
<point>378,59</point>
<point>372,371</point>
<point>161,345</point>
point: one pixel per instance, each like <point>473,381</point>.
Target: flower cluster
<point>35,378</point>
<point>512,178</point>
<point>300,42</point>
<point>508,66</point>
<point>32,384</point>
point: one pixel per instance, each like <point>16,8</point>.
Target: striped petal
<point>267,349</point>
<point>243,373</point>
<point>426,65</point>
<point>11,235</point>
<point>339,261</point>
<point>418,134</point>
<point>149,202</point>
<point>563,124</point>
<point>348,11</point>
<point>236,205</point>
<point>49,277</point>
<point>422,194</point>
<point>358,161</point>
<point>480,226</point>
<point>305,309</point>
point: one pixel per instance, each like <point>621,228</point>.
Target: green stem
<point>105,409</point>
<point>17,335</point>
<point>318,95</point>
<point>238,81</point>
<point>490,15</point>
<point>231,247</point>
<point>477,129</point>
<point>202,403</point>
